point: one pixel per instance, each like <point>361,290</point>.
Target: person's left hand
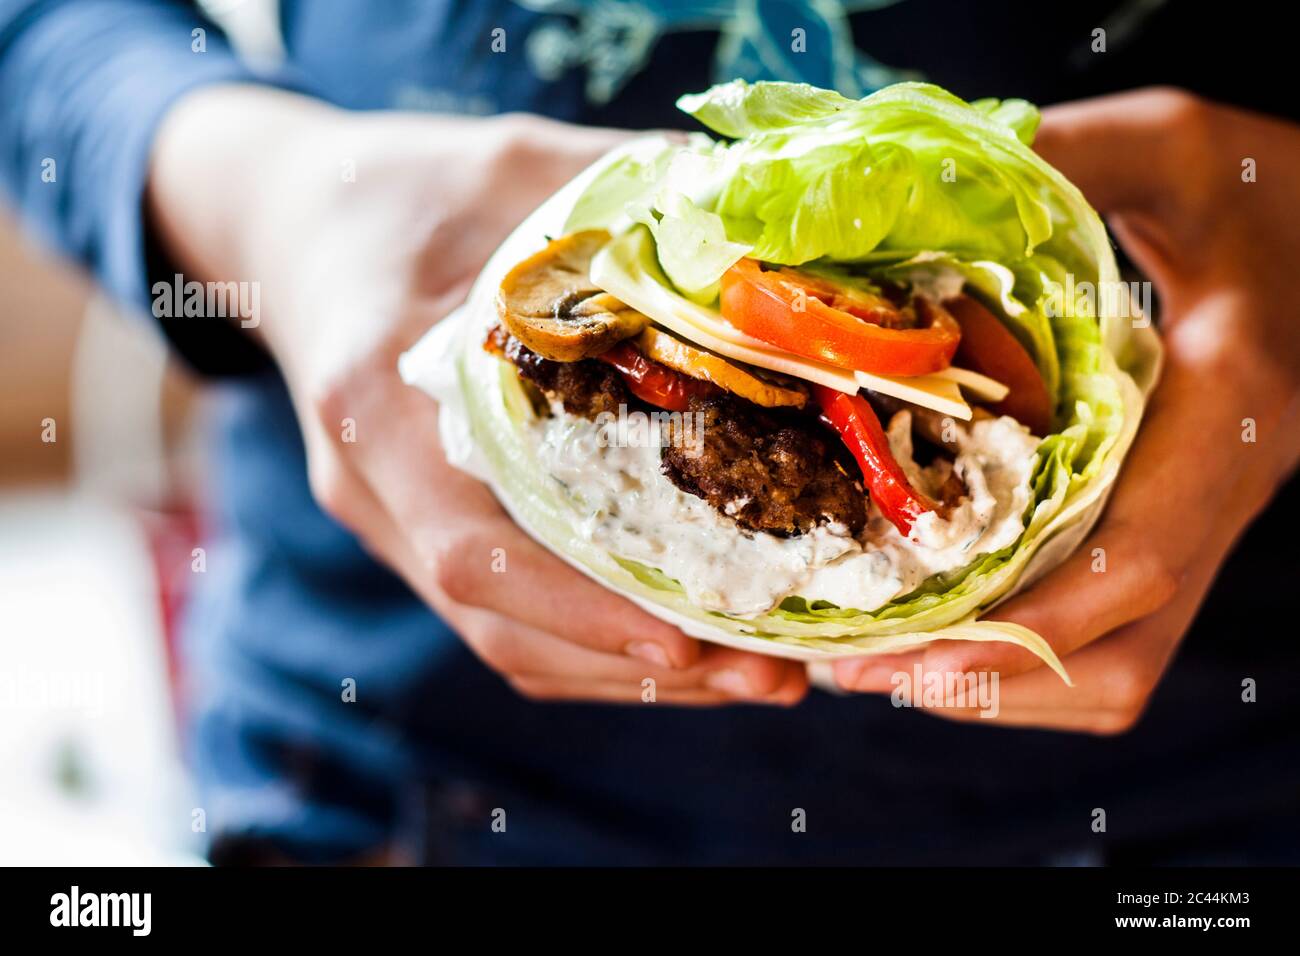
<point>353,269</point>
<point>1220,433</point>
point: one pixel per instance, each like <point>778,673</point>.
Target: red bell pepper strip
<point>653,383</point>
<point>857,424</point>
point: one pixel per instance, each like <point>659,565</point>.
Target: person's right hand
<point>352,271</point>
<point>1219,436</point>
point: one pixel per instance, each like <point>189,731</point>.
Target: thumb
<point>1123,150</point>
<point>1138,158</point>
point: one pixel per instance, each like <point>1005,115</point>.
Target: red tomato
<point>790,310</point>
<point>988,347</point>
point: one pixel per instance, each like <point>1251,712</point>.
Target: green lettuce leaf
<point>908,168</point>
<point>738,109</point>
<point>1020,116</point>
<point>691,244</point>
<point>657,187</point>
<point>631,181</point>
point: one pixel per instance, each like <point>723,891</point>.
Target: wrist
<point>220,160</point>
<point>221,168</point>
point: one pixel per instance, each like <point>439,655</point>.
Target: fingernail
<point>648,651</point>
<point>731,682</point>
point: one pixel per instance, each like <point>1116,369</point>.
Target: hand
<point>351,274</point>
<point>1167,171</point>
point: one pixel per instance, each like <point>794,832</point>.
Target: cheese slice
<point>626,267</point>
<point>981,386</point>
<point>928,391</point>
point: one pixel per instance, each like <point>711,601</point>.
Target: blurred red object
<point>173,535</point>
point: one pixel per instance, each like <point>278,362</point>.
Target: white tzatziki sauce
<point>630,509</point>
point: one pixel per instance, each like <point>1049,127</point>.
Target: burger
<point>808,386</point>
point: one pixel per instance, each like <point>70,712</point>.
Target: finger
<point>518,651</point>
<point>1112,579</point>
<point>1161,519</point>
<point>342,492</point>
<point>745,674</point>
<point>1117,149</point>
<point>561,691</point>
<point>470,551</point>
<point>535,588</point>
<point>1113,677</point>
<point>790,693</point>
<point>1129,155</point>
<point>1113,681</point>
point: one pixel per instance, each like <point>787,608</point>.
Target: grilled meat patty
<point>769,473</point>
<point>585,388</point>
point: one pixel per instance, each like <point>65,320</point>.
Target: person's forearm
<point>84,85</point>
<point>225,161</point>
<point>255,185</point>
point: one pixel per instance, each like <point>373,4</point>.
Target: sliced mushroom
<point>549,303</point>
<point>697,363</point>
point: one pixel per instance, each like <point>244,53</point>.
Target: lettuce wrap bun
<point>909,192</point>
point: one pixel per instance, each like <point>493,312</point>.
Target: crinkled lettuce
<point>911,167</point>
<point>691,244</point>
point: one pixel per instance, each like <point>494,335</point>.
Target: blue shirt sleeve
<point>83,86</point>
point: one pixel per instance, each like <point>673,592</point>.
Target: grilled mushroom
<point>549,303</point>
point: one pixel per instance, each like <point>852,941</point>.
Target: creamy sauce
<point>627,506</point>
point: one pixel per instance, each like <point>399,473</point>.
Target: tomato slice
<point>858,426</point>
<point>988,347</point>
<point>864,304</point>
<point>653,383</point>
<point>789,309</point>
